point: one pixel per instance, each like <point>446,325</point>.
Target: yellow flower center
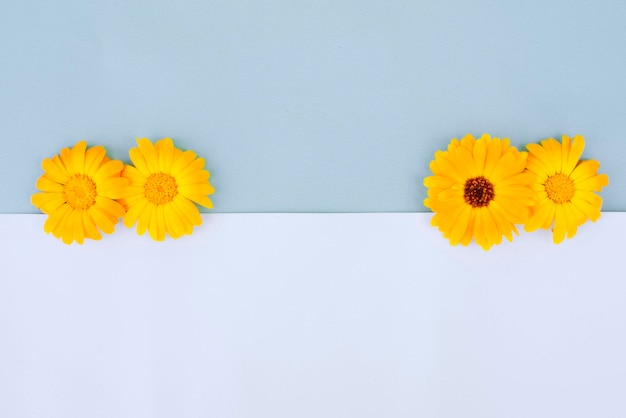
<point>80,191</point>
<point>560,188</point>
<point>478,192</point>
<point>160,188</point>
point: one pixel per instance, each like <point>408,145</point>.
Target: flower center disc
<point>560,188</point>
<point>478,192</point>
<point>160,188</point>
<point>80,192</point>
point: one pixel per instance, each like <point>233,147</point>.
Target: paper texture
<point>311,315</point>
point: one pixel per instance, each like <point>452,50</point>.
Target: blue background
<point>303,106</point>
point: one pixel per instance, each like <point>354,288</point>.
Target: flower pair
<point>85,192</point>
<point>481,188</point>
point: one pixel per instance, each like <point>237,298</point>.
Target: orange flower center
<point>80,192</point>
<point>560,188</point>
<point>160,188</point>
<point>478,192</point>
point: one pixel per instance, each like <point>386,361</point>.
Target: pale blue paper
<point>308,106</point>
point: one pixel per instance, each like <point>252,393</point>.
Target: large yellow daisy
<point>564,186</point>
<point>164,184</point>
<point>479,190</point>
<point>78,189</point>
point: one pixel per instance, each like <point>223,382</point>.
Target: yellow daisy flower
<point>164,182</point>
<point>78,191</point>
<point>479,190</point>
<point>564,186</point>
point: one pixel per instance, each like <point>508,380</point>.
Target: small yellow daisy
<point>564,186</point>
<point>479,190</point>
<point>79,189</point>
<point>165,182</point>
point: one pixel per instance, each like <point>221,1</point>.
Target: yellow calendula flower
<point>78,192</point>
<point>164,184</point>
<point>479,190</point>
<point>564,186</point>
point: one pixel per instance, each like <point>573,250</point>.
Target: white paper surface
<point>312,315</point>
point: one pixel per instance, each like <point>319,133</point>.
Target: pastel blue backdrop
<point>308,106</point>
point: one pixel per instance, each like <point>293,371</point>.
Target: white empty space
<point>312,315</point>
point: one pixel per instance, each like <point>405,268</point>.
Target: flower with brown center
<point>479,190</point>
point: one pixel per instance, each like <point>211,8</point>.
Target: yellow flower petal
<point>55,218</point>
<point>77,191</point>
<point>466,160</point>
<point>443,167</point>
<point>494,153</point>
<point>480,153</point>
<point>47,202</point>
<point>173,223</point>
<point>503,169</point>
<point>515,211</point>
<point>196,165</point>
<point>114,187</point>
<point>185,224</point>
<point>478,190</point>
<point>165,152</point>
<point>163,184</point>
<point>538,152</point>
<point>111,168</point>
<point>201,189</point>
<point>149,154</point>
<point>139,161</point>
<point>135,211</point>
<point>94,157</point>
<point>101,219</point>
<point>77,154</point>
<point>193,177</point>
<point>91,231</point>
<point>585,169</point>
<point>144,218</point>
<point>576,151</point>
<point>78,227</point>
<point>591,211</point>
<point>468,142</point>
<point>560,225</point>
<point>578,215</point>
<point>594,183</point>
<point>542,217</point>
<point>479,231</point>
<point>563,187</point>
<point>571,217</point>
<point>182,162</point>
<point>457,232</point>
<point>438,182</point>
<point>156,227</point>
<point>502,224</point>
<point>46,185</point>
<point>66,160</point>
<point>188,210</point>
<point>565,154</point>
<point>67,232</point>
<point>493,235</point>
<point>469,232</point>
<point>53,171</point>
<point>110,207</point>
<point>553,148</point>
<point>134,176</point>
